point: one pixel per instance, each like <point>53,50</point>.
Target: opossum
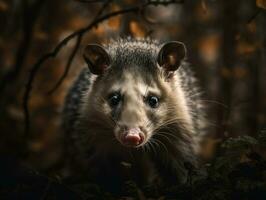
<point>134,114</point>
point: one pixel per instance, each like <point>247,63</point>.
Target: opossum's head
<point>134,88</point>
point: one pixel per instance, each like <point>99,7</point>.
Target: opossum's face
<point>135,107</point>
<point>135,102</point>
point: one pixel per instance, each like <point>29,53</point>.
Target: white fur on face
<point>133,112</point>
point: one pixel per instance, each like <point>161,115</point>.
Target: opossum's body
<point>138,116</point>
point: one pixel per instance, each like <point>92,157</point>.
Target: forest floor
<point>237,172</point>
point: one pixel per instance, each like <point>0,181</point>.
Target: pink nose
<point>132,137</point>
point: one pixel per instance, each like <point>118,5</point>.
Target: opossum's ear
<point>97,58</point>
<point>171,55</point>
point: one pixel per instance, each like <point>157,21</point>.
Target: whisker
<point>162,145</point>
<point>154,142</point>
<point>170,135</point>
<point>147,146</point>
<point>164,136</point>
<point>200,93</point>
<point>152,147</point>
<point>166,161</point>
<point>216,102</point>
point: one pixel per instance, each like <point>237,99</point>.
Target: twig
<point>68,65</point>
<point>105,5</point>
<point>64,42</point>
<point>258,10</point>
<point>75,49</point>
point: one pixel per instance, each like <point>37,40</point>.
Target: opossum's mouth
<point>132,137</point>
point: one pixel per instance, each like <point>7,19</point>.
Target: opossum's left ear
<point>171,55</point>
<point>97,58</point>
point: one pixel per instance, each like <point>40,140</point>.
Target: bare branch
<point>105,5</point>
<point>75,49</point>
<point>258,10</point>
<point>68,65</point>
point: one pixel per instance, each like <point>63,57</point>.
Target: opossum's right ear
<point>97,58</point>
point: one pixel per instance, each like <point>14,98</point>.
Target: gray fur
<point>140,55</point>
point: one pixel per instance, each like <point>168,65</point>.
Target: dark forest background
<point>41,44</point>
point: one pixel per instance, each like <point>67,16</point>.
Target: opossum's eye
<point>153,101</point>
<point>114,99</point>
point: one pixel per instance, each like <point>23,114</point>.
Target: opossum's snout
<point>131,137</point>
